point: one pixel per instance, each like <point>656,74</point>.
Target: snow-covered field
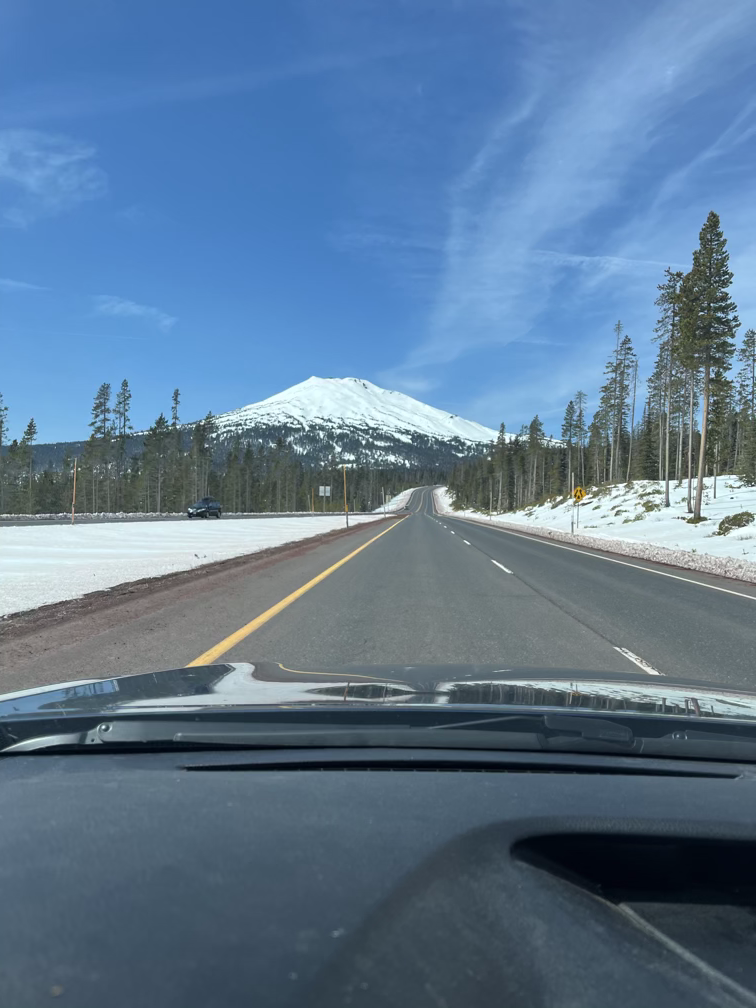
<point>631,518</point>
<point>50,563</point>
<point>148,515</point>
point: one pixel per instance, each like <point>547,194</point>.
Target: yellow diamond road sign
<point>578,494</point>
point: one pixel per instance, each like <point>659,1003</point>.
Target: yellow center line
<point>213,654</point>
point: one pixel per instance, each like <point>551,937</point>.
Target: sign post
<point>578,494</point>
<point>346,505</point>
<point>73,499</point>
<point>324,491</point>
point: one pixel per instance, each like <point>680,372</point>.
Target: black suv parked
<point>205,508</point>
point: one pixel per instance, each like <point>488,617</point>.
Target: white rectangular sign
<point>324,491</point>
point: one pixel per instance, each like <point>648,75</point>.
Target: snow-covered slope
<point>354,402</point>
<point>633,514</point>
<point>358,419</point>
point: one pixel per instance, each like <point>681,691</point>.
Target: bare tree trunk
<point>690,446</point>
<point>632,421</point>
<point>666,428</point>
<point>702,449</point>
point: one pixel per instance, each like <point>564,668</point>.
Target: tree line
<point>697,419</point>
<point>178,464</point>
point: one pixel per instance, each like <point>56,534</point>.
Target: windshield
<point>380,356</point>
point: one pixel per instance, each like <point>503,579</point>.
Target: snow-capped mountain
<point>358,421</point>
<point>326,419</point>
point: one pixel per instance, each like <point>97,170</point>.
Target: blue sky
<point>455,198</point>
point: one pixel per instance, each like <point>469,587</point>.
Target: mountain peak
<point>359,422</point>
<point>354,403</point>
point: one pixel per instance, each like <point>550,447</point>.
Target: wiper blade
<point>505,732</point>
<point>550,732</point>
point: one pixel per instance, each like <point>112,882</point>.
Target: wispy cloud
<point>64,101</point>
<point>604,263</point>
<point>42,174</point>
<point>18,286</point>
<point>588,116</point>
<point>18,330</point>
<point>117,307</point>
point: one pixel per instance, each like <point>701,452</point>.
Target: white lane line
<point>505,569</point>
<point>465,542</point>
<point>637,661</point>
<point>587,552</point>
<point>453,533</point>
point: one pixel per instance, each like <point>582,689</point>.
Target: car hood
<point>270,684</point>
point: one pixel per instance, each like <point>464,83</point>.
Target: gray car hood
<point>270,684</point>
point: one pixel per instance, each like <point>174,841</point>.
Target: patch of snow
<point>51,563</point>
<point>631,519</point>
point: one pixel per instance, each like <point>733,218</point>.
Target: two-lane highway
<point>665,620</point>
<point>423,589</point>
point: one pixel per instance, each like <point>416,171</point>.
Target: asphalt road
<point>424,589</point>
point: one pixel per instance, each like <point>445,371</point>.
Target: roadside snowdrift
<point>631,519</point>
<point>397,503</point>
<point>51,563</point>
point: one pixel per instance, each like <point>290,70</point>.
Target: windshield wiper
<point>514,731</point>
<point>525,732</point>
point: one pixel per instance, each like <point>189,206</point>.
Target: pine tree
<point>746,378</point>
<point>501,459</point>
<point>121,411</point>
<point>580,431</point>
<point>708,323</point>
<point>155,452</point>
<point>98,448</point>
<point>668,336</point>
<point>535,440</point>
<point>121,428</point>
<point>720,412</point>
<point>568,438</point>
<point>27,441</point>
<point>100,422</point>
<point>615,399</point>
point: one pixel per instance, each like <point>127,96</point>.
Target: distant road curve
<point>7,522</point>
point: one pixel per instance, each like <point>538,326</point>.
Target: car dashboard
<point>375,878</point>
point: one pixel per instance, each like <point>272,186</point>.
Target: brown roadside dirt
<point>132,599</point>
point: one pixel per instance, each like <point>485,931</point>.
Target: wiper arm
<point>515,731</point>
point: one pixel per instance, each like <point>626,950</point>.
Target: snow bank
<point>147,515</point>
<point>50,563</point>
<point>630,519</point>
<point>397,503</point>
